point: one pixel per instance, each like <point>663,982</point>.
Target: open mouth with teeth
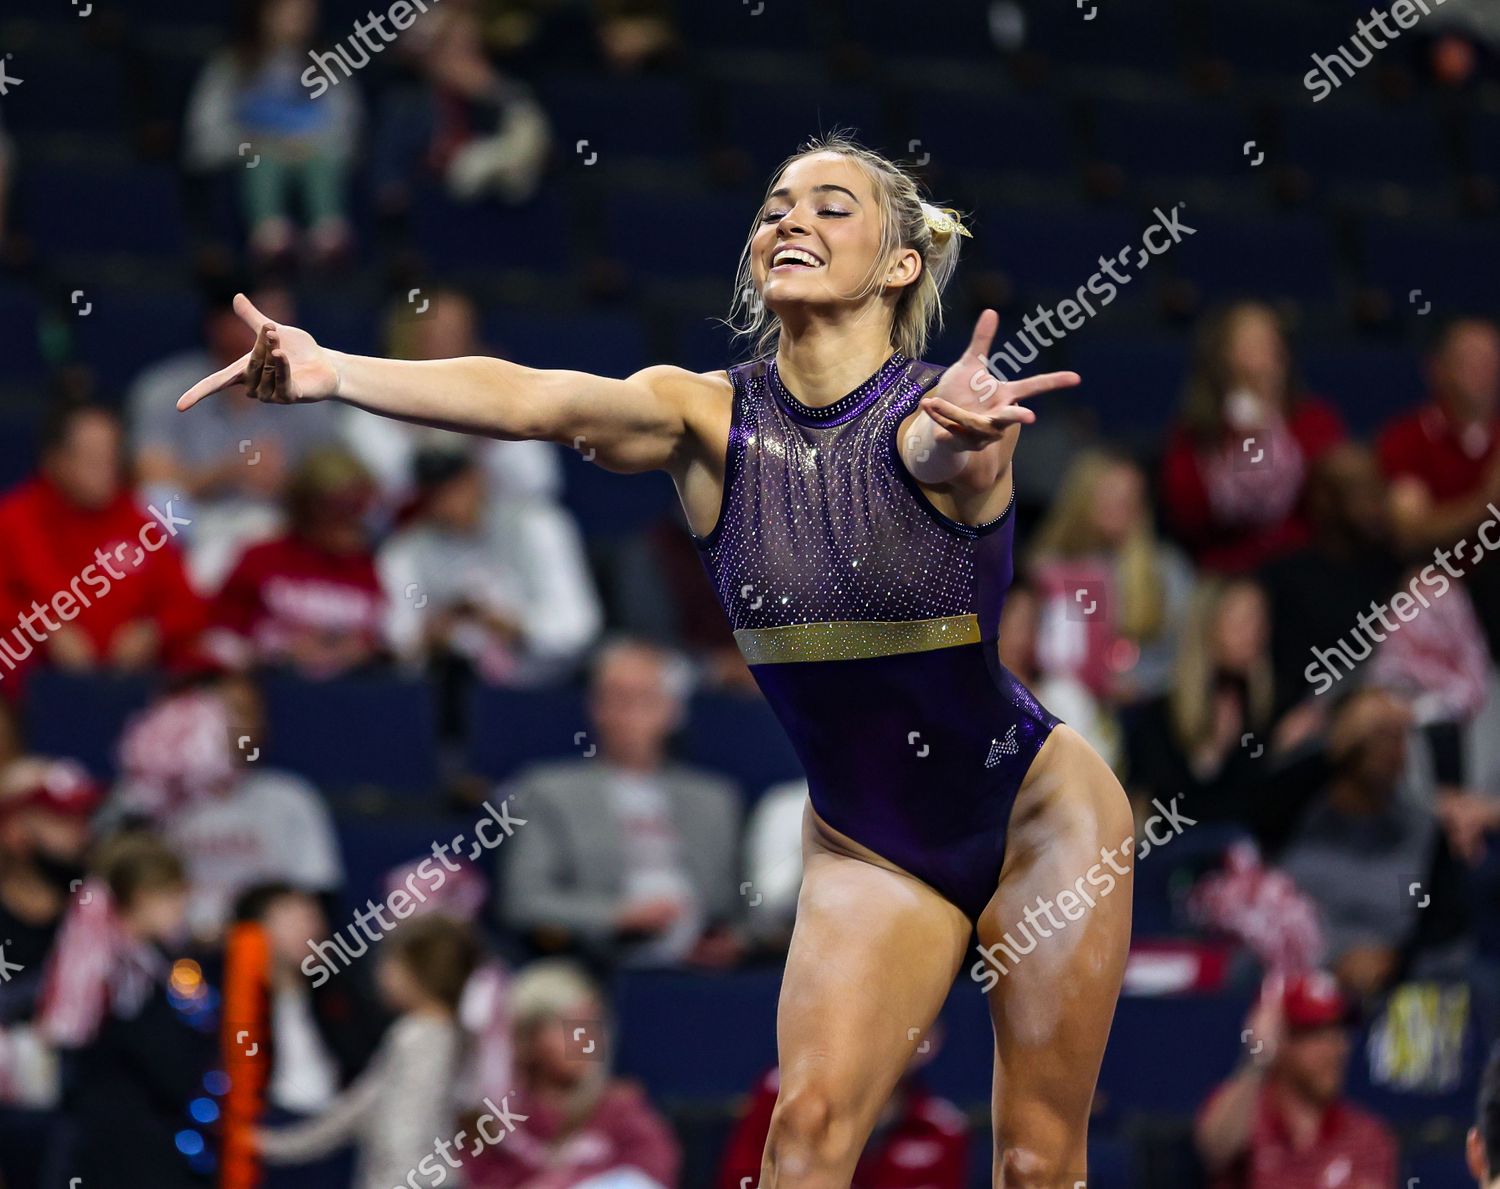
<point>794,258</point>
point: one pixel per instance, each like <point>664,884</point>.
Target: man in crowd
<point>1443,460</point>
<point>227,465</point>
<point>1280,1121</point>
<point>625,853</point>
<point>89,580</point>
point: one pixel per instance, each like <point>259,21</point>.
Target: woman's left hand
<point>971,407</point>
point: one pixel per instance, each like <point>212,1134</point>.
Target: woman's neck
<point>820,362</point>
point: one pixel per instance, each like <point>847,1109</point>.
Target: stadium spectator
<point>1190,740</point>
<point>1061,692</point>
<point>1317,591</point>
<point>137,1077</point>
<point>79,546</point>
<point>451,115</point>
<point>1281,1121</point>
<point>506,597</point>
<point>227,463</point>
<point>1362,842</point>
<point>920,1139</point>
<point>191,765</point>
<point>1443,459</point>
<point>250,110</point>
<point>626,854</point>
<point>1483,1149</point>
<point>447,328</point>
<point>44,832</point>
<point>582,1127</point>
<point>310,600</point>
<point>1235,463</point>
<point>1097,549</point>
<point>773,863</point>
<point>405,1105</point>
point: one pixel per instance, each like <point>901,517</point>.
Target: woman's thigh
<point>873,955</point>
<point>1056,935</point>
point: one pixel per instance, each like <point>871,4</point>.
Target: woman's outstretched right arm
<point>636,424</point>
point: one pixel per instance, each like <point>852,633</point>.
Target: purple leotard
<point>869,620</point>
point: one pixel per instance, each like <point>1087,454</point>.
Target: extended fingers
<point>1034,385</point>
<point>984,333</point>
<point>225,377</point>
<point>251,316</point>
<point>990,424</point>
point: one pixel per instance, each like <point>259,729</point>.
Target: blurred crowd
<point>1289,633</point>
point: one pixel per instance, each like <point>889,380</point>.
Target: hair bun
<point>943,222</point>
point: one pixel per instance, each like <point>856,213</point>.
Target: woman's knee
<point>1021,1167</point>
<point>812,1128</point>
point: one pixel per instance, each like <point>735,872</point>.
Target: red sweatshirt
<point>98,570</point>
<point>289,600</point>
<point>1237,548</point>
<point>925,1147</point>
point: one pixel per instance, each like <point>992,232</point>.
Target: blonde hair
<point>1068,532</point>
<point>908,221</point>
<point>1191,699</point>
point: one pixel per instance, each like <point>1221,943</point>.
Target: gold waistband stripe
<point>854,639</point>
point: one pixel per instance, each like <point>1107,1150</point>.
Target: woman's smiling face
<point>819,233</point>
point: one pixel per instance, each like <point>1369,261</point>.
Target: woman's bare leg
<point>873,956</point>
<point>1053,1003</point>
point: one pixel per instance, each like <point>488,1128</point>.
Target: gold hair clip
<point>943,222</point>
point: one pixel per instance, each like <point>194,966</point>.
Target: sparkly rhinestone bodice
<point>821,521</point>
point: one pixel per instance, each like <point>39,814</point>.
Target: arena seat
<point>1227,258</point>
<point>372,847</point>
<point>100,207</point>
<point>1145,1074</point>
<point>509,728</point>
<point>1438,259</point>
<point>677,235</point>
<point>695,1036</point>
<point>1048,249</point>
<point>80,715</point>
<point>621,117</point>
<point>465,238</point>
<point>1369,384</point>
<point>20,431</point>
<point>126,330</point>
<point>610,505</point>
<point>1362,144</point>
<point>353,733</point>
<point>1028,132</point>
<point>739,736</point>
<point>607,344</point>
<point>20,334</point>
<point>1173,140</point>
<point>758,116</point>
<point>1134,385</point>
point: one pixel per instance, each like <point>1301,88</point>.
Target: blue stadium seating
<point>1149,1071</point>
<point>354,732</point>
<point>621,118</point>
<point>673,235</point>
<point>740,737</point>
<point>20,337</point>
<point>372,847</point>
<point>612,506</point>
<point>605,344</point>
<point>1050,249</point>
<point>508,729</point>
<point>20,428</point>
<point>771,121</point>
<point>80,716</point>
<point>126,330</point>
<point>1363,144</point>
<point>1369,384</point>
<point>1226,258</point>
<point>1134,385</point>
<point>100,207</point>
<point>1174,140</point>
<point>1437,259</point>
<point>464,238</point>
<point>998,133</point>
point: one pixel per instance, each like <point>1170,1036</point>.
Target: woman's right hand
<point>285,367</point>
